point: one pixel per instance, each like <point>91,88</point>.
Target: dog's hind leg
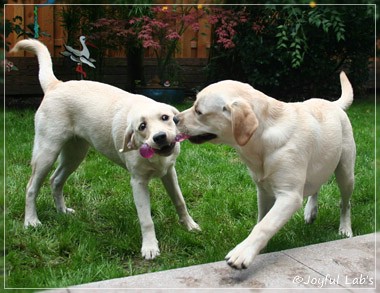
<point>42,161</point>
<point>72,154</point>
<point>345,178</point>
<point>311,209</point>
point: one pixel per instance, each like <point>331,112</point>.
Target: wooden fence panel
<point>24,82</point>
<point>11,11</point>
<point>50,23</point>
<point>46,20</point>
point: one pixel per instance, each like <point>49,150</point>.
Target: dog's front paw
<point>241,256</point>
<point>32,222</point>
<point>190,224</point>
<point>69,211</point>
<point>150,251</point>
<point>65,210</point>
<point>345,231</point>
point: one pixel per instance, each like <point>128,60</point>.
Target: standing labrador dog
<point>290,149</point>
<point>76,114</point>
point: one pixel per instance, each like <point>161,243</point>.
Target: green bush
<point>295,52</point>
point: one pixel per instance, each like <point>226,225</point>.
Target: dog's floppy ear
<point>244,121</point>
<point>129,142</point>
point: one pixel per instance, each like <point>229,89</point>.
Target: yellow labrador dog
<point>291,149</point>
<point>133,131</point>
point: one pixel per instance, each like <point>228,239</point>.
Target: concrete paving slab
<point>348,265</point>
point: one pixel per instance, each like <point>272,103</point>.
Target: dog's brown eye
<point>165,117</point>
<point>198,112</point>
<point>142,126</point>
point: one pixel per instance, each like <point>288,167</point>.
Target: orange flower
<point>200,6</point>
<point>164,8</point>
<point>313,4</point>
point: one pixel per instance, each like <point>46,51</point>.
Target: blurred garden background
<point>291,52</point>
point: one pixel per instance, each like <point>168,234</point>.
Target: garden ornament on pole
<point>80,57</point>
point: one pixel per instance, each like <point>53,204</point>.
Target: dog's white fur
<point>291,149</point>
<point>76,114</point>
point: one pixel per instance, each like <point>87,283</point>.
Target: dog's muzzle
<point>165,148</point>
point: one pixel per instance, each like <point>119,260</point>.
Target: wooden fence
<point>191,57</point>
<point>49,21</point>
<point>24,82</point>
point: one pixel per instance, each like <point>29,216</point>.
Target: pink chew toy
<point>146,151</point>
<point>181,137</point>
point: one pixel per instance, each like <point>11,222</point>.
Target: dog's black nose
<point>160,138</point>
<point>176,120</point>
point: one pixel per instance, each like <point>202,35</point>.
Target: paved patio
<point>348,265</point>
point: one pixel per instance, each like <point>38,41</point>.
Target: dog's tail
<point>46,74</point>
<point>347,96</point>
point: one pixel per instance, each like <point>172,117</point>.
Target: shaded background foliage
<point>292,52</point>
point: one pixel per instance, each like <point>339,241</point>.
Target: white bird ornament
<point>79,56</point>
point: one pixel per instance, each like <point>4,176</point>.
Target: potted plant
<point>161,31</point>
<point>158,29</point>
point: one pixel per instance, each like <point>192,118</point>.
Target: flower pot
<point>164,95</point>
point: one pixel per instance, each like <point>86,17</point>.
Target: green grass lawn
<point>102,240</point>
